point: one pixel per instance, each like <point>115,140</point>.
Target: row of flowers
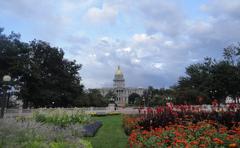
<point>183,126</point>
<point>202,134</point>
<point>161,117</point>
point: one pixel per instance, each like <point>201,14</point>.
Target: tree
<point>231,54</point>
<point>44,77</point>
<point>110,96</point>
<point>13,58</point>
<point>213,79</point>
<point>96,99</point>
<point>50,79</point>
<point>133,98</point>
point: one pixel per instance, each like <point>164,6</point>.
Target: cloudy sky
<point>152,40</point>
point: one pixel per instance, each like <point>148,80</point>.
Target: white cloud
<point>168,43</point>
<point>141,37</point>
<point>158,66</point>
<point>107,54</point>
<point>106,14</point>
<point>152,41</point>
<point>135,61</point>
<point>127,49</point>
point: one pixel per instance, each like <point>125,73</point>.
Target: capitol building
<point>120,90</point>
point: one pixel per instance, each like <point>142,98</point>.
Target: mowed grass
<point>111,134</point>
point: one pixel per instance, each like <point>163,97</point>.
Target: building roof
<point>118,71</point>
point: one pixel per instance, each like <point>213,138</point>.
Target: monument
<point>120,90</point>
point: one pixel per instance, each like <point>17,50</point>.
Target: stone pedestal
<point>111,107</point>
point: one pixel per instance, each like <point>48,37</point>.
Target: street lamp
<point>144,101</point>
<point>6,80</point>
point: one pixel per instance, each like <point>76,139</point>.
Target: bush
<point>89,130</point>
<point>86,143</point>
<point>61,117</point>
<point>164,117</point>
<point>161,117</point>
<point>100,114</point>
<point>29,134</point>
<point>130,122</point>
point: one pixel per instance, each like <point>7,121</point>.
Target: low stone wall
<point>126,110</point>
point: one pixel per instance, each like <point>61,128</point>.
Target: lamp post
<point>143,101</point>
<point>6,80</point>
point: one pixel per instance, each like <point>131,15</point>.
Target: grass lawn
<point>111,134</point>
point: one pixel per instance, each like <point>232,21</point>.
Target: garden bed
<point>29,134</point>
<point>164,127</point>
<point>50,128</point>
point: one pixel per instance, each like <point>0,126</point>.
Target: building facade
<point>120,90</point>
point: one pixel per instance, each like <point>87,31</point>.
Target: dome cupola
<point>118,71</point>
<point>119,78</point>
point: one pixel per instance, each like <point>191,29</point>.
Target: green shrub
<point>34,144</point>
<point>31,134</point>
<point>62,145</point>
<point>86,143</point>
<point>61,117</point>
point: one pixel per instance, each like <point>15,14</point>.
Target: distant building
<point>229,100</point>
<point>120,90</point>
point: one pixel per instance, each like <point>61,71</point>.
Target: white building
<point>120,90</point>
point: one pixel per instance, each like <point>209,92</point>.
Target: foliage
<point>31,134</point>
<point>134,98</point>
<point>130,122</point>
<point>86,143</point>
<point>110,96</point>
<point>183,126</point>
<point>212,79</point>
<point>39,71</point>
<point>94,98</point>
<point>61,117</point>
<point>91,129</point>
<point>164,116</point>
<point>163,119</point>
<point>156,97</point>
<point>202,134</point>
<point>99,114</point>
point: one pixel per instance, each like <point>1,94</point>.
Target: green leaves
<point>45,77</point>
<point>212,79</point>
<point>61,117</point>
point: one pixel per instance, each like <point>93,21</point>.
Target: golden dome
<point>118,71</point>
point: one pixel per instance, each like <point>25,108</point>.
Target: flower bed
<point>167,117</point>
<point>165,127</point>
<point>130,122</point>
<point>202,134</point>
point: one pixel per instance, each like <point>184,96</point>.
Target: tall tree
<point>133,98</point>
<point>50,79</point>
<point>213,79</point>
<point>44,77</point>
<point>96,99</point>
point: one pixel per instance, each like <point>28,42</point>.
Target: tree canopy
<point>44,76</point>
<point>212,79</point>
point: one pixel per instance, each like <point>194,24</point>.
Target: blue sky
<point>152,40</point>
